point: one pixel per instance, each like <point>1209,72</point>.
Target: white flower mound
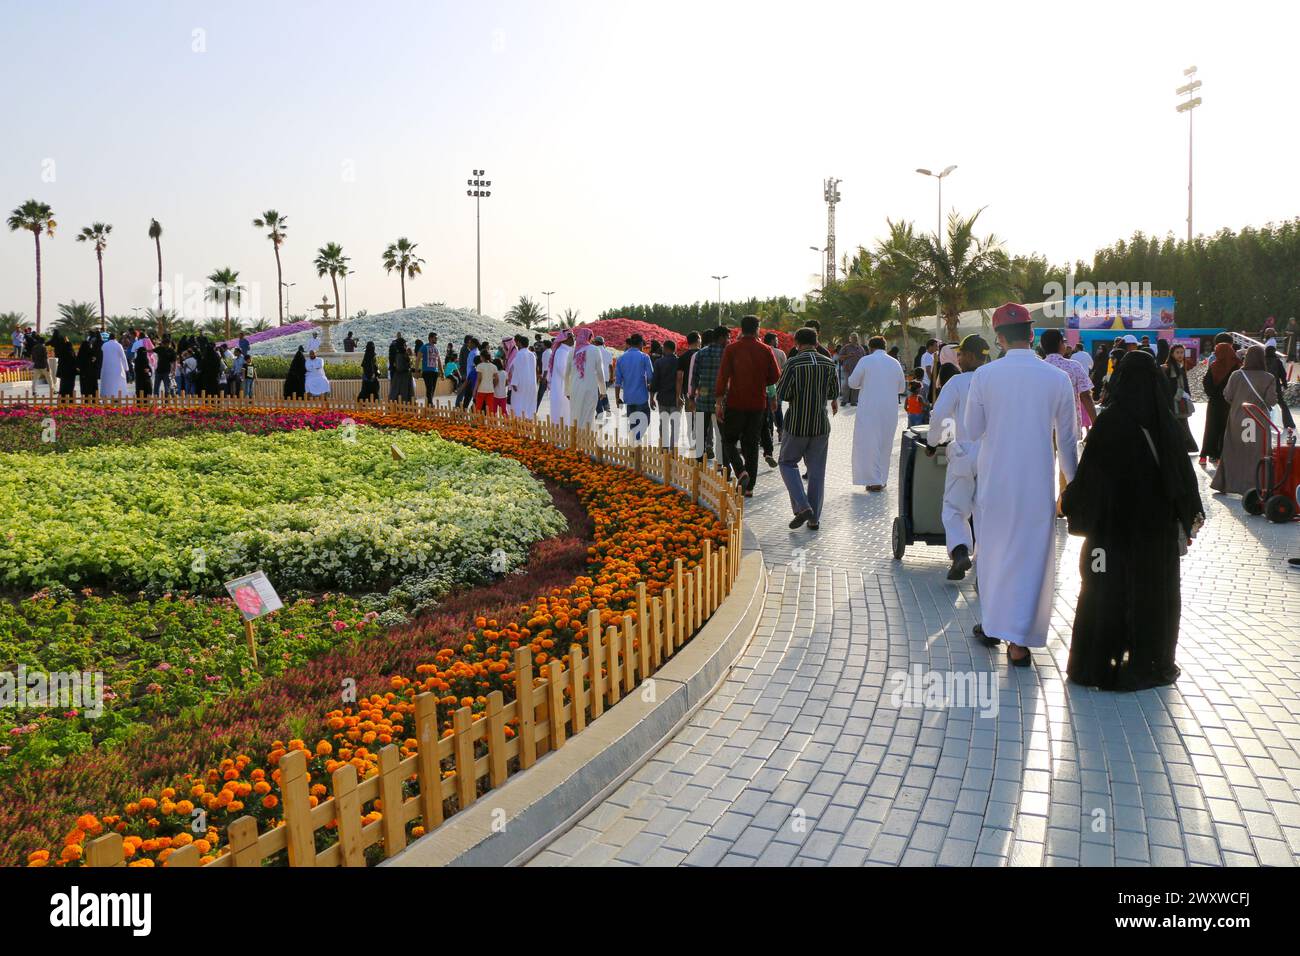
<point>451,326</point>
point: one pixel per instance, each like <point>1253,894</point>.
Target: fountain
<point>326,350</point>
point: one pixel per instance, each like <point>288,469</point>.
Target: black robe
<point>68,367</point>
<point>209,372</point>
<point>1132,514</point>
<point>295,380</point>
<point>1216,417</point>
<point>1175,381</point>
<point>89,360</point>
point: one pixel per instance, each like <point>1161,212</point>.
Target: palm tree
<point>898,266</point>
<point>9,321</point>
<point>330,261</point>
<point>569,318</point>
<point>77,320</point>
<point>278,225</point>
<point>225,286</point>
<point>163,320</point>
<point>98,234</point>
<point>155,233</point>
<point>526,312</point>
<point>963,272</point>
<point>400,255</point>
<point>36,218</point>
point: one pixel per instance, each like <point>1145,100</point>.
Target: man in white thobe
<point>948,428</point>
<point>112,374</point>
<point>555,377</point>
<point>1015,407</point>
<point>584,380</point>
<point>879,381</point>
<point>522,376</point>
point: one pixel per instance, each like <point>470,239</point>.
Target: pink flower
<point>340,626</point>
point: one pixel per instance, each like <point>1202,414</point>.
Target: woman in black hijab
<point>370,375</point>
<point>1135,501</point>
<point>295,380</point>
<point>143,374</point>
<point>1174,371</point>
<point>89,360</point>
<point>209,369</point>
<point>67,364</point>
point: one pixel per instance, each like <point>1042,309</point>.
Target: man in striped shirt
<point>807,384</point>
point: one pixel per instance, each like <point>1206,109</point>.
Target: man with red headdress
<point>1015,407</point>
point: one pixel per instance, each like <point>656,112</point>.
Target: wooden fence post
<point>647,656</point>
<point>555,702</point>
<point>463,752</point>
<point>596,660</point>
<point>577,689</point>
<point>347,811</point>
<point>429,768</point>
<point>299,833</point>
<point>615,673</point>
<point>679,584</point>
<point>525,704</point>
<point>241,837</point>
<point>390,792</point>
<point>106,851</point>
<point>629,653</point>
<point>656,634</point>
<point>496,739</point>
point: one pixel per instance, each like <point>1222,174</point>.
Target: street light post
<point>719,278</point>
<point>1187,106</point>
<point>938,233</point>
<point>346,273</point>
<point>821,276</point>
<point>478,191</point>
<point>548,306</point>
<point>287,287</point>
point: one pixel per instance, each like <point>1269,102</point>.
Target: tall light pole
<point>346,272</point>
<point>831,193</point>
<point>478,190</point>
<point>821,251</point>
<point>548,306</point>
<point>1187,106</point>
<point>719,278</point>
<point>287,287</point>
<point>938,231</point>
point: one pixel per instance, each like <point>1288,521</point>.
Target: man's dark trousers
<point>743,428</point>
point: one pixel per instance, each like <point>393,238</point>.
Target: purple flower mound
<point>292,329</point>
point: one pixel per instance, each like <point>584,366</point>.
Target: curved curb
<point>514,822</point>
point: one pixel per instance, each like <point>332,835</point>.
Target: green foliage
<point>526,312</point>
<point>8,322</point>
<point>77,320</point>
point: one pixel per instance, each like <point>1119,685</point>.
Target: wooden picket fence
<point>456,770</point>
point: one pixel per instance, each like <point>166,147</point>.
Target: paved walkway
<point>802,757</point>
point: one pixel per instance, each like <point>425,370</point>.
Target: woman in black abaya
<point>1135,501</point>
<point>370,375</point>
<point>89,359</point>
<point>67,365</point>
<point>209,370</point>
<point>295,380</point>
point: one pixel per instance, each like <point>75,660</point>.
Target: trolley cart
<point>920,492</point>
<point>1277,476</point>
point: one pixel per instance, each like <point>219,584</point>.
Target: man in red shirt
<point>748,368</point>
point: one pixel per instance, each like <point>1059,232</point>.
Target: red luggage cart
<point>1277,476</point>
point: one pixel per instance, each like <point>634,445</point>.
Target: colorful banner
<point>1120,313</point>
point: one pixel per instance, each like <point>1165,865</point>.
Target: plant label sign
<point>254,595</point>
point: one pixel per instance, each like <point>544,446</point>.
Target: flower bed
<point>639,526</point>
<point>198,510</point>
<point>617,331</point>
<point>451,326</point>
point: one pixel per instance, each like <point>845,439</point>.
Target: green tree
<point>400,255</point>
<point>965,272</point>
<point>9,321</point>
<point>78,319</point>
<point>897,263</point>
<point>526,312</point>
<point>225,286</point>
<point>278,224</point>
<point>155,233</point>
<point>330,261</point>
<point>97,235</point>
<point>36,218</point>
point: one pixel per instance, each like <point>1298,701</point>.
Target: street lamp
<point>820,252</point>
<point>287,287</point>
<point>938,234</point>
<point>1187,106</point>
<point>478,191</point>
<point>719,278</point>
<point>346,272</point>
<point>548,307</point>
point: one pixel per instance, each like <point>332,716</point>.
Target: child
<point>485,387</point>
<point>250,377</point>
<point>499,391</point>
<point>915,404</point>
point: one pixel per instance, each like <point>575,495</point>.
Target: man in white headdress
<point>584,380</point>
<point>522,378</point>
<point>948,427</point>
<point>878,380</point>
<point>1017,405</point>
<point>112,374</point>
<point>555,377</point>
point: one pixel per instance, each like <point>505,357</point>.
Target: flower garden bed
<point>220,758</point>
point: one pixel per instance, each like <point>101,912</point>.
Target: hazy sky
<point>635,149</point>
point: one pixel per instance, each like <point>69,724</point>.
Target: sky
<point>635,149</point>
